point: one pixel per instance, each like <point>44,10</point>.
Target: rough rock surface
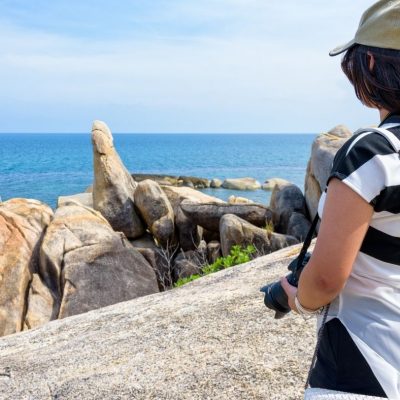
<point>269,184</point>
<point>298,226</point>
<point>279,241</point>
<point>208,215</point>
<point>241,184</point>
<point>239,200</point>
<point>215,183</point>
<point>86,199</point>
<point>210,339</point>
<point>22,222</point>
<point>235,230</point>
<point>189,234</point>
<point>156,210</point>
<point>323,151</point>
<point>285,200</point>
<point>113,187</point>
<point>87,265</point>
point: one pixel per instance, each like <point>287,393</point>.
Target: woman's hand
<point>290,291</point>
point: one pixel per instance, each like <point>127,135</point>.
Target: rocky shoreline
<point>131,235</point>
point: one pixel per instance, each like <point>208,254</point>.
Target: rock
<point>241,184</point>
<point>285,200</point>
<point>213,251</point>
<point>188,184</point>
<point>89,189</point>
<point>237,231</point>
<point>183,268</point>
<point>156,210</point>
<point>189,234</point>
<point>215,183</point>
<point>298,226</point>
<point>269,184</point>
<point>22,222</point>
<point>160,179</point>
<point>113,187</point>
<point>209,236</point>
<point>208,215</point>
<point>87,265</point>
<point>319,166</point>
<point>239,200</point>
<point>144,242</point>
<point>86,199</point>
<point>177,194</point>
<point>198,183</point>
<point>279,241</point>
<point>210,339</point>
<point>161,263</point>
<point>41,305</point>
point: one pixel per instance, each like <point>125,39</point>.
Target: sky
<point>184,66</point>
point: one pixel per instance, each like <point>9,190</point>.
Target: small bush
<point>237,255</point>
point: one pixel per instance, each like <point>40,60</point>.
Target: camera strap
<point>307,241</point>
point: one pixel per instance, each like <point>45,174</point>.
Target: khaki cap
<point>379,27</point>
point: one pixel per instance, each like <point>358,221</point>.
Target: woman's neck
<point>383,113</point>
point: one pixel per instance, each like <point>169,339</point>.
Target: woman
<point>355,265</point>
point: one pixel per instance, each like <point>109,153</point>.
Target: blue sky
<point>177,65</point>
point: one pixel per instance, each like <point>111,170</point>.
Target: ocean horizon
<point>45,166</point>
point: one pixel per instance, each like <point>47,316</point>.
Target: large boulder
<point>270,183</point>
<point>285,200</point>
<point>298,226</point>
<point>237,231</point>
<point>241,184</point>
<point>87,265</point>
<point>210,339</point>
<point>279,241</point>
<point>189,233</point>
<point>113,187</point>
<point>22,222</point>
<point>215,183</point>
<point>208,215</point>
<point>239,200</point>
<point>319,166</point>
<point>156,210</point>
<point>86,199</point>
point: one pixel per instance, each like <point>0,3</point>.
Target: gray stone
<point>208,215</point>
<point>324,148</point>
<point>192,181</point>
<point>22,222</point>
<point>241,184</point>
<point>156,210</point>
<point>239,200</point>
<point>215,183</point>
<point>285,200</point>
<point>279,241</point>
<point>113,187</point>
<point>270,183</point>
<point>86,199</point>
<point>183,268</point>
<point>237,231</point>
<point>213,251</point>
<point>144,242</point>
<point>210,339</point>
<point>298,226</point>
<point>87,265</point>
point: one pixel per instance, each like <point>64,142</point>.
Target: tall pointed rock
<point>113,188</point>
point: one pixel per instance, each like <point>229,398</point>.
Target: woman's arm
<point>345,221</point>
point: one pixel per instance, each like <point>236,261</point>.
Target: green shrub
<point>237,255</point>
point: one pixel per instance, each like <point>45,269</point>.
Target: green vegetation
<point>269,227</point>
<point>238,255</point>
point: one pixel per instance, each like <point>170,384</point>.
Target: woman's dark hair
<point>380,87</point>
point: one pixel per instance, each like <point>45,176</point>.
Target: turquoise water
<point>45,166</point>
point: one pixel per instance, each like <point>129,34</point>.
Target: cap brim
<point>342,48</point>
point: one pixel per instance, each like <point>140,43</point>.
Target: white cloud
<point>265,71</point>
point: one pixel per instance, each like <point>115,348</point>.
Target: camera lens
<point>275,298</point>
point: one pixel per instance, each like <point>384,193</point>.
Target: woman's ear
<point>371,61</point>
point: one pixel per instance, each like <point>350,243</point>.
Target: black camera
<point>275,297</point>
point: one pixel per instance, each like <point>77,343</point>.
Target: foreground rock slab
<point>210,339</point>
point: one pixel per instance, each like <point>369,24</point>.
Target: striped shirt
<point>369,305</point>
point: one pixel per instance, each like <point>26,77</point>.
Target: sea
<point>45,166</point>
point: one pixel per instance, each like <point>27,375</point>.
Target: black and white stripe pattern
<point>369,165</point>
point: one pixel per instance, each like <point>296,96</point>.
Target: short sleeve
<point>365,163</point>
